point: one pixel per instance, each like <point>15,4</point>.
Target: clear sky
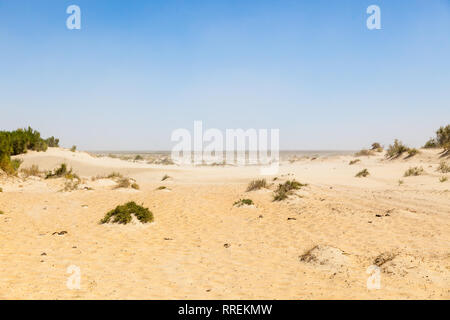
<point>137,70</point>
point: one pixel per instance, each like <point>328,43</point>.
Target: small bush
<point>443,179</point>
<point>138,157</point>
<point>443,167</point>
<point>412,152</point>
<point>243,202</point>
<point>396,150</point>
<point>377,147</point>
<point>123,214</point>
<point>165,177</point>
<point>364,152</point>
<point>58,172</point>
<point>73,149</point>
<point>1,190</point>
<point>414,171</point>
<point>123,183</point>
<point>161,188</point>
<point>71,185</point>
<point>285,190</point>
<point>31,171</point>
<point>52,142</point>
<point>362,174</point>
<point>400,182</point>
<point>135,186</point>
<point>1,212</point>
<point>256,185</point>
<point>354,161</point>
<point>431,144</point>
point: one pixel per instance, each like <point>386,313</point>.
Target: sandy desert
<point>320,243</point>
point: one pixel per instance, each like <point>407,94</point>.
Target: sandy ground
<point>318,244</point>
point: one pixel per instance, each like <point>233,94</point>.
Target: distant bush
<point>165,177</point>
<point>443,179</point>
<point>286,189</point>
<point>73,149</point>
<point>354,161</point>
<point>396,150</point>
<point>1,212</point>
<point>256,185</point>
<point>52,142</point>
<point>362,174</point>
<point>161,188</point>
<point>364,152</point>
<point>58,172</point>
<point>430,144</point>
<point>414,171</point>
<point>138,157</point>
<point>442,139</point>
<point>18,142</point>
<point>135,186</point>
<point>377,147</point>
<point>243,202</point>
<point>412,152</point>
<point>123,214</point>
<point>123,183</point>
<point>443,167</point>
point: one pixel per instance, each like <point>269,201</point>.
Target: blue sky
<point>137,70</point>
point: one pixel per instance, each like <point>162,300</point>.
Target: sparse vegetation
<point>354,161</point>
<point>377,147</point>
<point>362,174</point>
<point>138,157</point>
<point>396,150</point>
<point>123,214</point>
<point>286,189</point>
<point>400,182</point>
<point>443,167</point>
<point>443,179</point>
<point>1,212</point>
<point>243,202</point>
<point>135,186</point>
<point>412,152</point>
<point>161,188</point>
<point>442,139</point>
<point>52,142</point>
<point>256,185</point>
<point>364,152</point>
<point>165,177</point>
<point>1,190</point>
<point>74,148</point>
<point>58,172</point>
<point>31,171</point>
<point>414,171</point>
<point>125,182</point>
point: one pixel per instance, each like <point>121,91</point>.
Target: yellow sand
<point>201,247</point>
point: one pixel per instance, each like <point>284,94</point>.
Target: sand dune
<point>318,244</point>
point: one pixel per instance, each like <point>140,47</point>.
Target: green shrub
<point>73,149</point>
<point>123,183</point>
<point>362,174</point>
<point>286,189</point>
<point>396,150</point>
<point>377,147</point>
<point>52,142</point>
<point>414,171</point>
<point>430,144</point>
<point>400,182</point>
<point>354,161</point>
<point>443,167</point>
<point>443,179</point>
<point>138,157</point>
<point>243,202</point>
<point>256,185</point>
<point>122,214</point>
<point>412,152</point>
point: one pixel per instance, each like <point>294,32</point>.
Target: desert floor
<point>202,247</point>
